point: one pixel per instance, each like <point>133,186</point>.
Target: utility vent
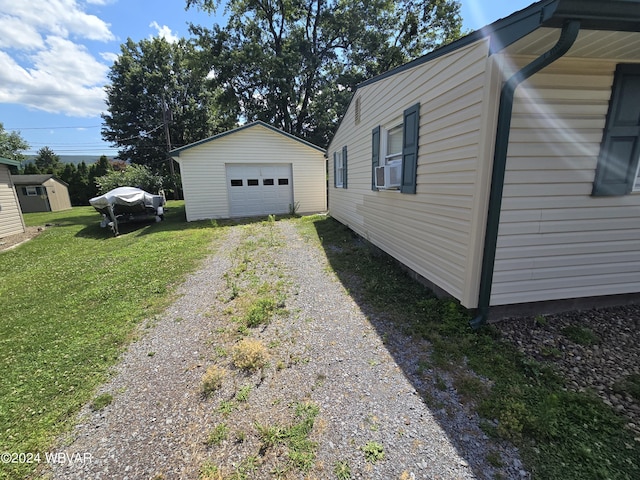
<point>357,113</point>
<point>389,176</point>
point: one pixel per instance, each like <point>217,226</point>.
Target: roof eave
<point>8,161</point>
<point>613,15</point>
<point>176,152</point>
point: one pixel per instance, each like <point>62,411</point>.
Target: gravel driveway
<point>324,352</point>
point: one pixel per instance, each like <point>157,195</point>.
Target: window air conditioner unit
<point>389,176</point>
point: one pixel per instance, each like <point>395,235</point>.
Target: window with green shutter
<point>394,153</point>
<point>340,168</point>
<point>617,170</point>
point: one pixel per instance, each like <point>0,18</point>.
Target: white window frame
<point>32,191</point>
<point>339,168</point>
<point>385,132</point>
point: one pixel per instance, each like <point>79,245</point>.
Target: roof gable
<point>35,179</point>
<point>177,151</point>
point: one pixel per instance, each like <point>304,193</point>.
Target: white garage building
<point>253,170</point>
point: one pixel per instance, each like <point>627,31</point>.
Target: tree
<point>29,169</point>
<point>47,161</point>
<point>158,90</point>
<point>101,167</point>
<point>295,63</point>
<point>133,176</point>
<point>11,145</point>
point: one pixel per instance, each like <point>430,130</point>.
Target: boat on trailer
<point>128,204</point>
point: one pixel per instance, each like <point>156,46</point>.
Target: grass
<point>581,335</point>
<point>101,401</point>
<point>373,452</point>
<point>219,434</point>
<point>72,299</point>
<point>301,451</point>
<point>560,433</point>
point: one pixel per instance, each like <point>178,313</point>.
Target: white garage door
<point>259,189</point>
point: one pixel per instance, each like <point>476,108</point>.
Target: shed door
<point>259,189</point>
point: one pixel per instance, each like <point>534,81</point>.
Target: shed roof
<point>35,179</point>
<point>8,161</point>
<point>244,127</point>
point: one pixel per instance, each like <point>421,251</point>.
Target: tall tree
<point>295,63</point>
<point>47,161</point>
<point>12,144</point>
<point>160,93</point>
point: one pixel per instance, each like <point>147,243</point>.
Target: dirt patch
<point>12,241</point>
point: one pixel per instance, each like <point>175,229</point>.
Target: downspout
<point>568,36</point>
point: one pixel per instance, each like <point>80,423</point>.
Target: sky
<point>55,56</point>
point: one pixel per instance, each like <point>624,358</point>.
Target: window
<point>253,182</point>
<point>358,111</point>
<point>617,170</point>
<point>31,191</point>
<point>283,181</point>
<point>236,183</point>
<point>267,181</point>
<point>340,168</point>
<point>396,149</point>
<point>393,140</point>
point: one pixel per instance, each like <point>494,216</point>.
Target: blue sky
<point>55,56</point>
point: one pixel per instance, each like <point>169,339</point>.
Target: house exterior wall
<point>58,195</point>
<point>11,221</point>
<point>555,240</point>
<point>439,231</point>
<point>202,169</point>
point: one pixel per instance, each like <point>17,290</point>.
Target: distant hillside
<point>75,159</point>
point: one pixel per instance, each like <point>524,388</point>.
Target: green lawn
<point>70,300</point>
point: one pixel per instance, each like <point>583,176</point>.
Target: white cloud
<point>165,32</point>
<point>58,17</point>
<point>73,86</point>
<point>41,64</point>
<point>14,33</point>
<point>109,56</point>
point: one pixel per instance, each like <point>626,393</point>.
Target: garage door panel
<point>259,189</point>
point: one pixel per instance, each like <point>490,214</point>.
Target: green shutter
<point>410,135</point>
<point>344,167</point>
<point>375,155</point>
<point>335,170</point>
<point>620,147</point>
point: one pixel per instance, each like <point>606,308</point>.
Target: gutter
<point>568,35</point>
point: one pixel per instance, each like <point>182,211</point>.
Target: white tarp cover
<point>128,196</point>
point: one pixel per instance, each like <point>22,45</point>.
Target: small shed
<point>11,221</point>
<point>503,168</point>
<point>42,193</point>
<point>249,171</point>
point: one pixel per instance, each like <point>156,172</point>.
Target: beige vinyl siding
<point>58,195</point>
<point>437,232</point>
<point>10,216</point>
<point>203,173</point>
<point>555,240</point>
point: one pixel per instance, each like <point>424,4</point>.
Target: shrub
<point>212,379</point>
<point>249,354</point>
<point>132,176</point>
